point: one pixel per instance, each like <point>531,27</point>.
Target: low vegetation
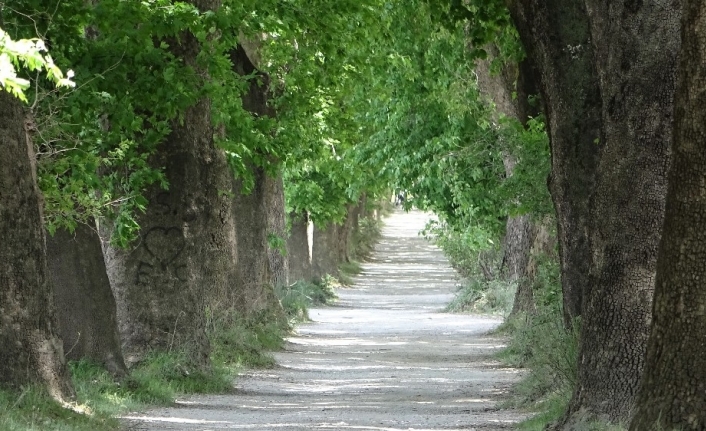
<point>159,379</point>
<point>537,342</point>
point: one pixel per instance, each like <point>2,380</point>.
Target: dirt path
<point>382,358</point>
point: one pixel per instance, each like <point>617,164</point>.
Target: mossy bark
<point>31,351</point>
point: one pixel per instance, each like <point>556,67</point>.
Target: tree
<point>606,67</point>
<point>185,255</point>
<point>85,304</point>
<point>32,351</point>
<point>635,52</point>
<point>571,100</point>
<point>673,390</point>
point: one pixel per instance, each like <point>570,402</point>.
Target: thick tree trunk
<point>187,249</point>
<point>277,226</point>
<point>673,390</point>
<point>635,48</point>
<point>253,292</point>
<point>84,301</point>
<point>556,35</point>
<point>31,348</point>
<point>298,247</point>
<point>325,251</point>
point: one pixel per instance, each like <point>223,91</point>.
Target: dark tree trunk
<point>31,348</point>
<point>84,301</point>
<point>277,226</point>
<point>299,257</point>
<point>556,35</point>
<point>673,390</point>
<point>253,292</point>
<point>325,251</point>
<point>186,252</point>
<point>635,46</point>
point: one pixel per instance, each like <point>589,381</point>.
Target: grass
<point>157,380</point>
<point>477,295</point>
<point>236,343</point>
<point>31,409</point>
<point>297,298</point>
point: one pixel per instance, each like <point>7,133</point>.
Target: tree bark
<point>253,293</point>
<point>673,389</point>
<point>556,35</point>
<point>325,252</point>
<point>298,246</point>
<point>84,301</point>
<point>31,350</point>
<point>187,244</point>
<point>519,230</point>
<point>277,226</point>
<point>635,46</point>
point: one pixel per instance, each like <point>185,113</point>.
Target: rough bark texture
<point>635,46</point>
<point>325,251</point>
<point>31,348</point>
<point>298,247</point>
<point>277,226</point>
<point>253,292</point>
<point>556,35</point>
<point>84,301</point>
<point>673,389</point>
<point>187,248</point>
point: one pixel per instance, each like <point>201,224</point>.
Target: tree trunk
<point>298,247</point>
<point>673,390</point>
<point>253,292</point>
<point>345,235</point>
<point>84,301</point>
<point>556,35</point>
<point>498,89</point>
<point>325,251</point>
<point>277,226</point>
<point>186,253</point>
<point>635,48</point>
<point>31,348</point>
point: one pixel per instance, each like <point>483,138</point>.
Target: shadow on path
<point>383,357</point>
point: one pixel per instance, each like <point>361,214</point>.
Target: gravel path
<point>382,358</point>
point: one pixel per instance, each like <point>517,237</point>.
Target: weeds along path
<point>384,357</point>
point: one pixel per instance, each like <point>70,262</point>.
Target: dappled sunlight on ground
<point>384,357</point>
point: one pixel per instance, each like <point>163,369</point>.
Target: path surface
<point>382,358</point>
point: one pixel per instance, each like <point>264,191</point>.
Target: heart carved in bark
<point>164,244</point>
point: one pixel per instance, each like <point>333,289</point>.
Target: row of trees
<point>161,175</point>
<point>197,128</point>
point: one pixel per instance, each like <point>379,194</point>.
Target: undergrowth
<point>538,342</point>
<point>236,343</point>
<point>298,297</point>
